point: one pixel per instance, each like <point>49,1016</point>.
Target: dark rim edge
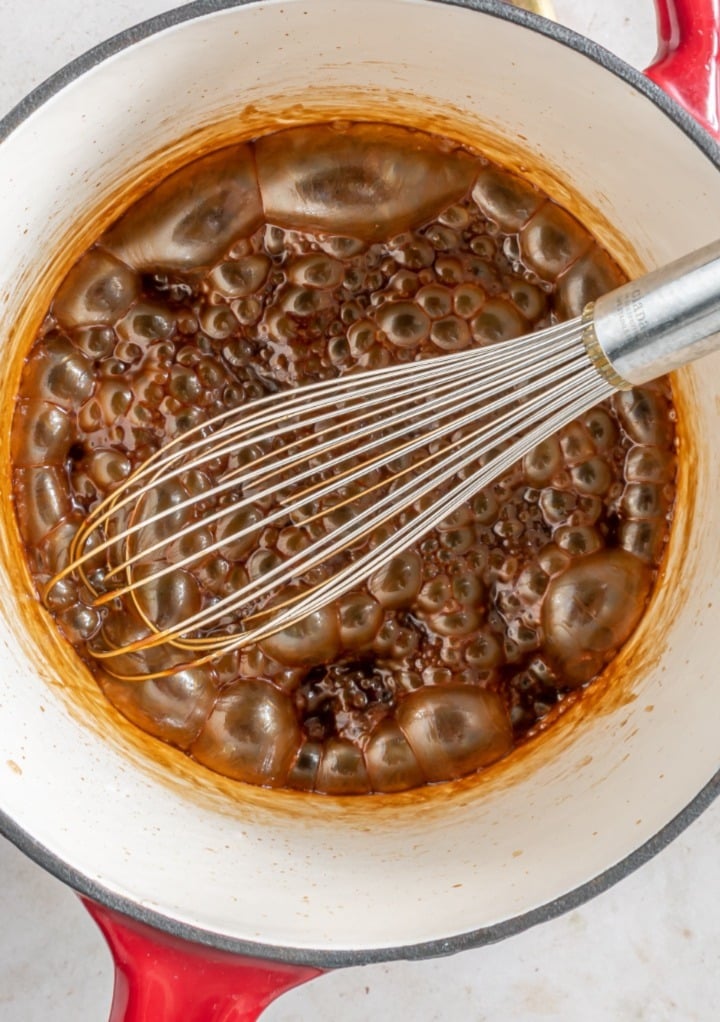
<point>324,958</point>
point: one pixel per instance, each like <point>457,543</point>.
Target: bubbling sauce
<point>305,255</point>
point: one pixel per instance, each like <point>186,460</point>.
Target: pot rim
<point>336,958</point>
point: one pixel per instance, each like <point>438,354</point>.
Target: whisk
<point>367,464</point>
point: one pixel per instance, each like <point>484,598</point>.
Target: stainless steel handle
<point>656,324</point>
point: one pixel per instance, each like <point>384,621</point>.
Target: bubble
<point>449,270</point>
<point>107,468</point>
<point>195,542</point>
<point>442,238</point>
<point>644,538</point>
<point>361,336</point>
<point>529,299</point>
<point>63,596</point>
<point>485,245</point>
<point>468,589</point>
<point>376,358</point>
<point>575,444</point>
<point>454,730</point>
<point>342,770</point>
<point>122,629</point>
<point>505,199</point>
<point>112,400</point>
<point>398,583</point>
<point>458,541</point>
<point>484,651</point>
<point>643,500</point>
<point>163,500</point>
<point>557,505</point>
<point>53,555</point>
<point>649,464</point>
<point>456,217</point>
<point>520,640</point>
<point>391,763</point>
<point>79,623</point>
<point>229,529</point>
<point>403,323</point>
<point>603,431</point>
<point>98,289</point>
<point>468,299</point>
<point>302,301</point>
<point>368,181</point>
<point>173,708</point>
<point>57,372</point>
<point>456,623</point>
<point>592,276</point>
<point>240,278</point>
<point>644,415</point>
<point>498,321</point>
<point>435,300</point>
<point>360,619</point>
<point>96,342</point>
<point>304,770</point>
<point>341,247</point>
<point>292,540</point>
<point>41,435</point>
<point>338,351</point>
<point>218,322</point>
<point>436,676</point>
<point>593,476</point>
<point>485,507</point>
<point>591,609</point>
<point>413,252</point>
<point>435,594</point>
<point>450,334</point>
<point>42,500</point>
<point>461,516</point>
<point>169,600</point>
<point>313,640</point>
<point>318,270</point>
<point>552,560</point>
<point>128,352</point>
<point>543,462</point>
<point>531,584</point>
<point>578,540</point>
<point>251,735</point>
<point>552,240</point>
<point>193,217</point>
<point>247,311</point>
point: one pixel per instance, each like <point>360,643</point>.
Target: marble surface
<point>648,949</point>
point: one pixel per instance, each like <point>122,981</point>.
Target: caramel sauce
<point>56,662</point>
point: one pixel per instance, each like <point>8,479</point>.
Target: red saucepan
<point>247,891</point>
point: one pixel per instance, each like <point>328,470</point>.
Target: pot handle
<point>167,979</point>
<point>687,63</point>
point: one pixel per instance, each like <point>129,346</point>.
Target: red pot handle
<point>687,64</point>
<point>159,978</point>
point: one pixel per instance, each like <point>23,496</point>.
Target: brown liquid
<point>381,245</point>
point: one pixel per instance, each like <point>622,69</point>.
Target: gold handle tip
<point>542,7</point>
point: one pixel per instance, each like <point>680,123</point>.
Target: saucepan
<point>216,897</point>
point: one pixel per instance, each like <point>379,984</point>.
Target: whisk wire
<point>306,602</point>
<point>539,379</point>
<point>486,364</point>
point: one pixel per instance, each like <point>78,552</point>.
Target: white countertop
<point>648,949</point>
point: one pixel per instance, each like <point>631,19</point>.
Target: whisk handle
<point>660,322</point>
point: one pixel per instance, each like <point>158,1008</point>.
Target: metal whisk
<point>369,463</point>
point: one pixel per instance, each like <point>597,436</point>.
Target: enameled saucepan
<point>255,891</point>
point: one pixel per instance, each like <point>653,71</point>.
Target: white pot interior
<point>307,872</point>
